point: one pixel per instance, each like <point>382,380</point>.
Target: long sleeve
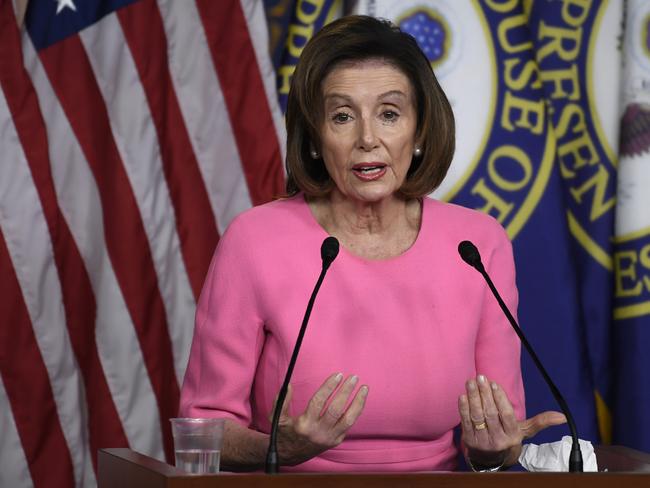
<point>228,336</point>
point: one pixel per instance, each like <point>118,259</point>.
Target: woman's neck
<point>373,230</point>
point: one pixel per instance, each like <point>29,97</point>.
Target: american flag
<point>131,133</point>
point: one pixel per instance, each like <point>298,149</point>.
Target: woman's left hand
<point>491,433</point>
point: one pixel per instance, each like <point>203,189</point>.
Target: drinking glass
<point>197,444</point>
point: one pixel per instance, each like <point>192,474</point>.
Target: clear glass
<point>197,444</point>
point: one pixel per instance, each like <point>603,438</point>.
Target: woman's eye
<point>341,117</point>
<point>390,115</point>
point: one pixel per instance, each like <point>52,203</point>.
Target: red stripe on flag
<point>105,427</point>
<point>233,55</point>
<point>28,385</point>
<point>195,221</point>
<point>71,75</point>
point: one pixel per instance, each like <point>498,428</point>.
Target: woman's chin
<point>372,195</point>
<point>369,192</point>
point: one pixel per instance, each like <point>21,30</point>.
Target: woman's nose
<point>367,136</point>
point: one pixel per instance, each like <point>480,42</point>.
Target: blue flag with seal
<point>509,164</point>
<point>575,45</point>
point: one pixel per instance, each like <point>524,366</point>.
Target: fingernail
<point>494,386</point>
<point>354,379</point>
<point>471,385</point>
<point>481,379</point>
<point>338,377</point>
<point>363,390</point>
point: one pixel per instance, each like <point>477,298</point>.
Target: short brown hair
<point>359,38</point>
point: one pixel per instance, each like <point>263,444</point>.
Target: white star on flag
<point>63,4</point>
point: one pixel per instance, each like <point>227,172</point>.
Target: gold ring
<point>480,426</point>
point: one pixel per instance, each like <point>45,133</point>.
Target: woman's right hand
<point>318,428</point>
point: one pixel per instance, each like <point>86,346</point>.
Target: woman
<point>405,341</point>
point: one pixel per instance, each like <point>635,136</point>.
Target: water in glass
<point>198,461</point>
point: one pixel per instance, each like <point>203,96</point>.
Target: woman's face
<point>368,132</point>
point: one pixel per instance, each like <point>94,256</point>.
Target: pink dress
<point>414,328</point>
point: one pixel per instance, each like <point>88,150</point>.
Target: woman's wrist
<point>485,468</point>
<point>486,462</point>
<point>482,463</point>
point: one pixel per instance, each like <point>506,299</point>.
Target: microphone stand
<point>474,260</point>
<point>329,251</point>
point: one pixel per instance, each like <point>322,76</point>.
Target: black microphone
<point>471,256</point>
<point>328,252</point>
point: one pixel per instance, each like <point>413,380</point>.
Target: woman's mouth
<point>369,171</point>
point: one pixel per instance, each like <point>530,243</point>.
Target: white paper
<point>555,456</point>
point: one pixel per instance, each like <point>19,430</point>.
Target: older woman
<point>405,341</point>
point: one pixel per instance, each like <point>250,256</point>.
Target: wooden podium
<point>124,468</point>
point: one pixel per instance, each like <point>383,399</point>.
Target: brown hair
<point>359,38</point>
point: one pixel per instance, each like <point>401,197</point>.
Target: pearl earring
<point>417,152</point>
<point>314,154</point>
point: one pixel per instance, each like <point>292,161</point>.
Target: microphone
<point>471,256</point>
<point>328,252</point>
